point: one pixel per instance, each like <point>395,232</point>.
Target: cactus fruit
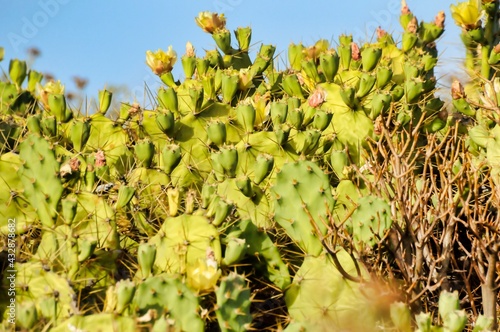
<point>303,203</point>
<point>233,304</point>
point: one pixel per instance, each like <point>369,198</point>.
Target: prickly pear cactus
<point>148,217</point>
<point>303,204</point>
<point>233,304</point>
<point>39,175</point>
<point>172,302</point>
<point>370,221</point>
<point>319,294</point>
<point>188,245</point>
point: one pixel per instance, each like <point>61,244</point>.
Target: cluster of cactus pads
<point>168,219</point>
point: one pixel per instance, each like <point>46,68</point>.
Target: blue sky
<point>106,41</point>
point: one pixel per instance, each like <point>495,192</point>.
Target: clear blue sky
<point>105,41</point>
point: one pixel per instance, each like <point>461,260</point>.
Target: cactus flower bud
<point>429,32</point>
<point>345,54</point>
<point>397,93</point>
<point>311,71</point>
<point>80,133</point>
<point>414,88</point>
<point>216,132</point>
<point>263,166</point>
<point>228,159</point>
<point>196,95</point>
<point>263,60</point>
<point>329,64</point>
<point>207,195</point>
<point>366,84</point>
<point>171,156</point>
<point>167,98</point>
<point>295,118</point>
<point>222,211</point>
<point>57,107</point>
<point>165,121</point>
<point>409,41</point>
<point>292,86</point>
<point>380,104</point>
<point>161,62</point>
<point>144,151</point>
<point>208,83</point>
<point>189,61</point>
<point>348,96</point>
<point>282,133</point>
<point>2,52</point>
<point>202,66</point>
<point>370,57</point>
<point>243,36</point>
<point>384,76</point>
<point>146,255</point>
<point>339,160</point>
<point>223,40</point>
<point>279,111</point>
<point>34,78</point>
<point>17,71</point>
<point>229,85</point>
<point>211,22</point>
<point>310,143</point>
<point>322,119</point>
<point>104,100</point>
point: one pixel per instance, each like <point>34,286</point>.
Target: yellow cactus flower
<point>161,62</point>
<point>467,14</point>
<point>203,275</point>
<point>50,88</point>
<point>211,22</point>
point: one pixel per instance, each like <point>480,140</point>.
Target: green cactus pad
<point>183,245</point>
<point>233,304</point>
<point>371,220</point>
<point>171,298</point>
<point>320,295</point>
<point>39,175</point>
<point>303,198</point>
<point>98,322</point>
